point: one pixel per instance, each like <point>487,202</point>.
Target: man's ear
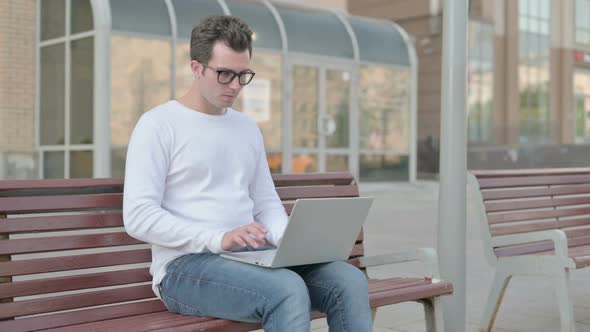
<point>196,68</point>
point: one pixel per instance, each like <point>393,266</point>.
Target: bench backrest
<point>81,219</point>
<point>521,201</point>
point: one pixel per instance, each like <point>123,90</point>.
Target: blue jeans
<point>208,285</point>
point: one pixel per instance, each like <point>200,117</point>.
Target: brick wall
<point>17,88</point>
<point>17,75</point>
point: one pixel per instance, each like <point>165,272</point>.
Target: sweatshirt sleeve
<point>148,158</point>
<point>268,209</point>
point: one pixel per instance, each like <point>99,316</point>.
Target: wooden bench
<point>61,237</point>
<point>534,222</point>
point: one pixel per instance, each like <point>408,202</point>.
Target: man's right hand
<point>251,234</point>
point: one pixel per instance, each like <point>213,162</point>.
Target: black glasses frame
<point>233,75</point>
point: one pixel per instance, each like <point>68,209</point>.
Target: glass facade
<point>322,62</point>
<point>533,71</point>
<point>66,89</point>
<point>480,102</point>
<point>582,22</point>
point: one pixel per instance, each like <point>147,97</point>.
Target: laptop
<point>319,230</point>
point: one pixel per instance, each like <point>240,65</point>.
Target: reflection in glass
<point>52,104</point>
<point>384,109</point>
<point>262,98</point>
<point>481,83</point>
<point>316,32</point>
<point>582,25</point>
<point>533,71</point>
<point>336,163</point>
<point>140,80</point>
<point>82,88</point>
<point>53,165</point>
<point>380,42</point>
<point>81,164</point>
<point>53,19</point>
<point>304,163</point>
<point>142,16</point>
<point>118,157</point>
<point>336,124</point>
<point>305,107</point>
<point>380,167</point>
<point>260,20</point>
<point>190,12</point>
<point>81,16</point>
<point>275,162</point>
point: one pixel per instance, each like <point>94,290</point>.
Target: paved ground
<point>404,216</point>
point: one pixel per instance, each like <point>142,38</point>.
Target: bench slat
<point>83,316</point>
<point>524,181</point>
<point>62,284</point>
<point>514,228</point>
<point>317,192</point>
<point>334,178</point>
<point>497,218</point>
<point>537,247</point>
<point>60,223</point>
<point>65,302</point>
<point>535,192</point>
<point>40,204</point>
<point>530,171</point>
<point>415,289</point>
<point>535,204</point>
<point>74,262</point>
<point>45,244</point>
<point>60,184</point>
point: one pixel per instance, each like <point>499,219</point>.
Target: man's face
<point>222,58</point>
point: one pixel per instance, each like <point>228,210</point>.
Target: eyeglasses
<point>226,76</point>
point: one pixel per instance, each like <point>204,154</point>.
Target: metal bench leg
<point>564,301</point>
<point>501,280</point>
<point>433,315</point>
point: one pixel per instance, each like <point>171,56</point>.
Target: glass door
<point>320,126</point>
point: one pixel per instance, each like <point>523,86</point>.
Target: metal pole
<point>453,162</point>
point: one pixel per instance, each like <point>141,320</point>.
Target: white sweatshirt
<point>190,177</point>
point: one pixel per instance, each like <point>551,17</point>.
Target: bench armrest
<point>556,235</point>
<point>427,256</point>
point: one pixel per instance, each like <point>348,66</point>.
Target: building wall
<point>17,88</point>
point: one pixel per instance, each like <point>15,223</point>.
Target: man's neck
<point>197,103</point>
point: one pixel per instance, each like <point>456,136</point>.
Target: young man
<point>197,183</point>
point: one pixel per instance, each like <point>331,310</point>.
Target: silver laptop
<point>320,230</point>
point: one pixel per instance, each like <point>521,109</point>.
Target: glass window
<point>82,91</point>
<point>81,16</point>
<point>481,83</point>
<point>384,109</point>
<point>141,16</point>
<point>260,20</point>
<point>379,167</point>
<point>118,157</point>
<point>304,163</point>
<point>380,42</point>
<point>53,165</point>
<point>53,19</point>
<point>140,80</point>
<point>305,107</point>
<point>190,12</point>
<point>262,98</point>
<point>81,164</point>
<point>336,163</point>
<point>316,32</point>
<point>582,22</point>
<point>337,120</point>
<point>52,104</point>
<point>533,71</point>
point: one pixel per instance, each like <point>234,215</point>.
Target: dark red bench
<point>75,250</point>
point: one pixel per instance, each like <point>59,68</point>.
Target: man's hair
<point>233,31</point>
